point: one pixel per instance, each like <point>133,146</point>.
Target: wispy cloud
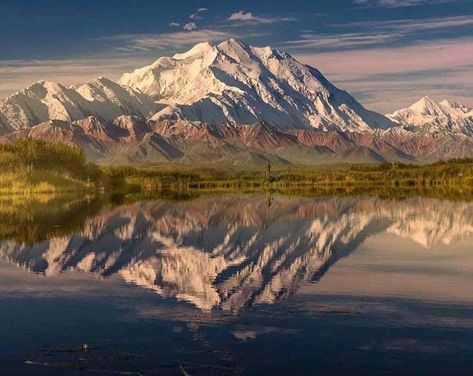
<point>416,25</point>
<point>248,17</point>
<point>196,16</point>
<point>397,3</point>
<point>380,33</point>
<point>174,24</point>
<point>199,14</point>
<point>130,43</point>
<point>337,41</point>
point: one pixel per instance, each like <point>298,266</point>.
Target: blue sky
<point>388,53</point>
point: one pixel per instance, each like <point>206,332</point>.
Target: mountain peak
<point>42,87</point>
<point>198,49</point>
<point>206,48</point>
<point>234,83</point>
<point>424,104</point>
<point>451,104</point>
<point>438,118</point>
<point>232,43</point>
<point>105,80</point>
<point>428,106</point>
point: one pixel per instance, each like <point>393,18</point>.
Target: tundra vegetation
<point>31,166</point>
<point>39,167</point>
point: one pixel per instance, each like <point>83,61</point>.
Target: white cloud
<point>174,24</point>
<point>242,16</point>
<point>191,26</point>
<point>201,10</point>
<point>248,17</point>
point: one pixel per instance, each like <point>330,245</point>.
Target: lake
<point>236,285</point>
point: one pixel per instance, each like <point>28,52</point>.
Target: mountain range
<point>232,102</point>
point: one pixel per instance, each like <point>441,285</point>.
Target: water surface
<point>234,284</point>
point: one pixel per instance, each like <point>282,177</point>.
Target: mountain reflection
<point>230,252</point>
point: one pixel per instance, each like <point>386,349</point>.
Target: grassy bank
<point>33,167</point>
<point>456,174</point>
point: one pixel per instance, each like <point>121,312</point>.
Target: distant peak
<point>42,87</point>
<point>45,83</point>
<point>198,49</point>
<point>452,104</point>
<point>428,106</point>
<point>232,43</point>
<point>424,103</point>
<point>447,103</point>
<point>103,81</point>
<point>426,99</point>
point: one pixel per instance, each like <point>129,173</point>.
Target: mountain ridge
<point>232,102</point>
<point>436,118</point>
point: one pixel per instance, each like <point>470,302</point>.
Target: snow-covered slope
<point>110,100</point>
<point>44,101</point>
<point>41,102</point>
<point>436,118</point>
<point>233,83</point>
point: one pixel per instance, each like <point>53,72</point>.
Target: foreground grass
<point>33,167</point>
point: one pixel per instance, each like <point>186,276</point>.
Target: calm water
<point>245,285</point>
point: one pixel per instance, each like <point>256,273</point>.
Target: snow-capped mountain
<point>233,83</point>
<point>110,100</point>
<point>46,101</point>
<point>436,118</point>
<point>232,102</point>
<point>41,102</point>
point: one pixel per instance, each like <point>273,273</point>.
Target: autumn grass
<point>454,175</point>
<point>33,167</point>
